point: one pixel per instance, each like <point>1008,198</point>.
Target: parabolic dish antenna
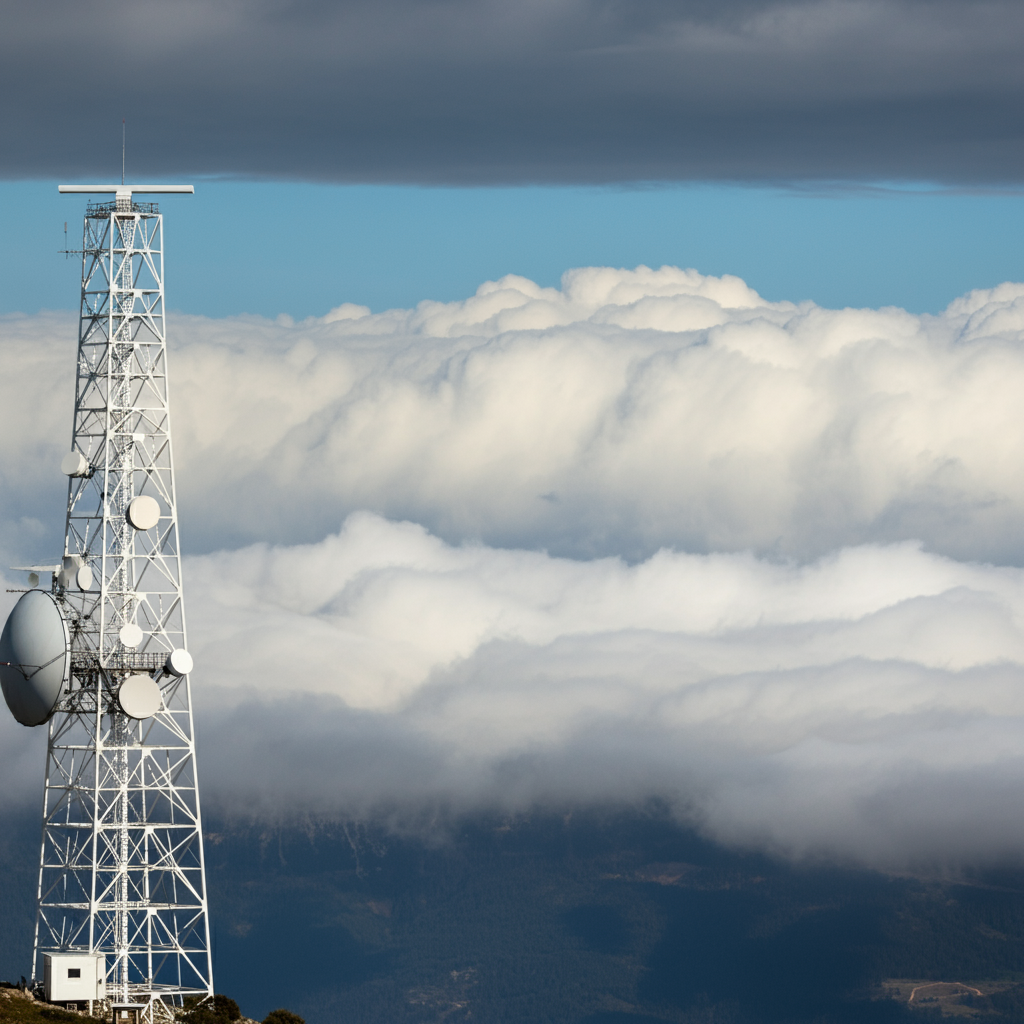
<point>36,650</point>
<point>143,512</point>
<point>74,464</point>
<point>178,663</point>
<point>139,697</point>
<point>130,635</point>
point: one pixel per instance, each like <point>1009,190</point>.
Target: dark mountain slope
<point>589,918</point>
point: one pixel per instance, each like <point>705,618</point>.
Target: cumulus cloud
<point>624,412</point>
<point>484,91</point>
<point>777,614</point>
<point>868,705</point>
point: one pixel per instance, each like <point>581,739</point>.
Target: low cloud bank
<point>628,411</point>
<point>625,412</point>
<point>867,706</point>
<point>785,622</point>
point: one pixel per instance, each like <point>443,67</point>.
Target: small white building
<point>74,977</point>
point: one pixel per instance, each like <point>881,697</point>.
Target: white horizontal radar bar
<point>131,189</point>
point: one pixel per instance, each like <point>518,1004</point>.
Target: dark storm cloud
<point>482,92</point>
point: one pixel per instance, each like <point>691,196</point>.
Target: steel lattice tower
<point>121,868</point>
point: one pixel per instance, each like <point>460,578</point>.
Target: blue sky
<point>388,151</point>
<point>299,249</point>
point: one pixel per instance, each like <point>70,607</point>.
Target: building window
<point>74,972</point>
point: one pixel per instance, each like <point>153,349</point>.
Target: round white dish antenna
<point>143,512</point>
<point>130,635</point>
<point>37,651</point>
<point>33,579</point>
<point>74,464</point>
<point>84,578</point>
<point>139,696</point>
<point>178,663</point>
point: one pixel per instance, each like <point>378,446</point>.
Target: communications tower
<point>100,656</point>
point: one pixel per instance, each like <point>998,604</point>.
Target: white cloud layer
<point>625,412</point>
<point>836,689</point>
<point>868,705</point>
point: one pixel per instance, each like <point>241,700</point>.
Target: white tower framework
<point>121,869</point>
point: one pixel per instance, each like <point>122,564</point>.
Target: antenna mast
<point>122,874</point>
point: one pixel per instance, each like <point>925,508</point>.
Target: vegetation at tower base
<point>222,1009</point>
<point>20,1007</point>
<point>282,1017</point>
<point>218,1010</point>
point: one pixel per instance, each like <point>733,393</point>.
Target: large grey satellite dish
<point>139,697</point>
<point>35,657</point>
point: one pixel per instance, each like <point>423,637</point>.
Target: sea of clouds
<point>643,536</point>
